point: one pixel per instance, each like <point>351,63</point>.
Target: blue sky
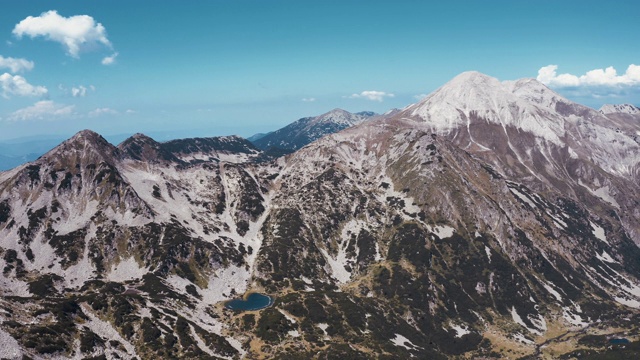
<point>206,68</point>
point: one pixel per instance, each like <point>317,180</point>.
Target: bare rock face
<point>490,220</point>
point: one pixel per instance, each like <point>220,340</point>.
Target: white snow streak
<point>598,232</point>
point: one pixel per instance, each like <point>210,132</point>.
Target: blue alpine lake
<point>619,341</point>
<point>254,301</point>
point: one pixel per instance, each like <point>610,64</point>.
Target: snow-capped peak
<point>526,104</point>
<point>619,108</point>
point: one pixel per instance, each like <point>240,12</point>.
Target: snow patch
<point>461,330</point>
<point>402,341</point>
<point>603,193</point>
<point>516,317</point>
<point>572,153</point>
<point>443,231</point>
<point>598,232</point>
<point>225,281</point>
<point>13,287</point>
<point>628,302</point>
<point>323,327</point>
<point>539,322</point>
<point>127,269</point>
<point>10,348</point>
<point>338,264</point>
<point>287,316</point>
<point>559,221</point>
<point>522,197</point>
<point>179,284</point>
<point>572,318</point>
<point>378,256</point>
<point>488,251</point>
<point>605,257</point>
<point>552,291</point>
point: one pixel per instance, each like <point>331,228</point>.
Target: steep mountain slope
<point>485,221</point>
<point>144,220</point>
<point>446,247</point>
<point>525,130</point>
<point>306,130</point>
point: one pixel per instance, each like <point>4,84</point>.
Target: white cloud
<point>15,65</point>
<point>130,111</point>
<point>79,91</point>
<point>102,111</point>
<point>308,99</point>
<point>595,78</point>
<point>17,85</point>
<point>109,60</point>
<point>75,33</point>
<point>420,96</point>
<point>42,110</point>
<point>371,95</point>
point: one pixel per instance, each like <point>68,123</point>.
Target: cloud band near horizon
<point>594,78</point>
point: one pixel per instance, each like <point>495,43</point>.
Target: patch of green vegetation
<point>248,322</point>
<point>5,211</point>
<point>272,326</point>
<point>33,171</point>
<point>44,286</point>
<point>69,247</point>
<point>630,351</point>
<point>90,340</point>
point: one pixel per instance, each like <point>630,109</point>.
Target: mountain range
<point>489,220</point>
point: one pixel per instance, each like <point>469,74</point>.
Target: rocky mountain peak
<point>143,148</point>
<point>472,77</point>
<point>476,91</point>
<point>470,89</point>
<point>339,116</point>
<point>89,137</point>
<point>619,109</point>
<point>84,146</point>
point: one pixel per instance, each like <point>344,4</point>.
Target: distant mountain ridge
<point>308,129</point>
<point>619,108</point>
<point>141,147</point>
